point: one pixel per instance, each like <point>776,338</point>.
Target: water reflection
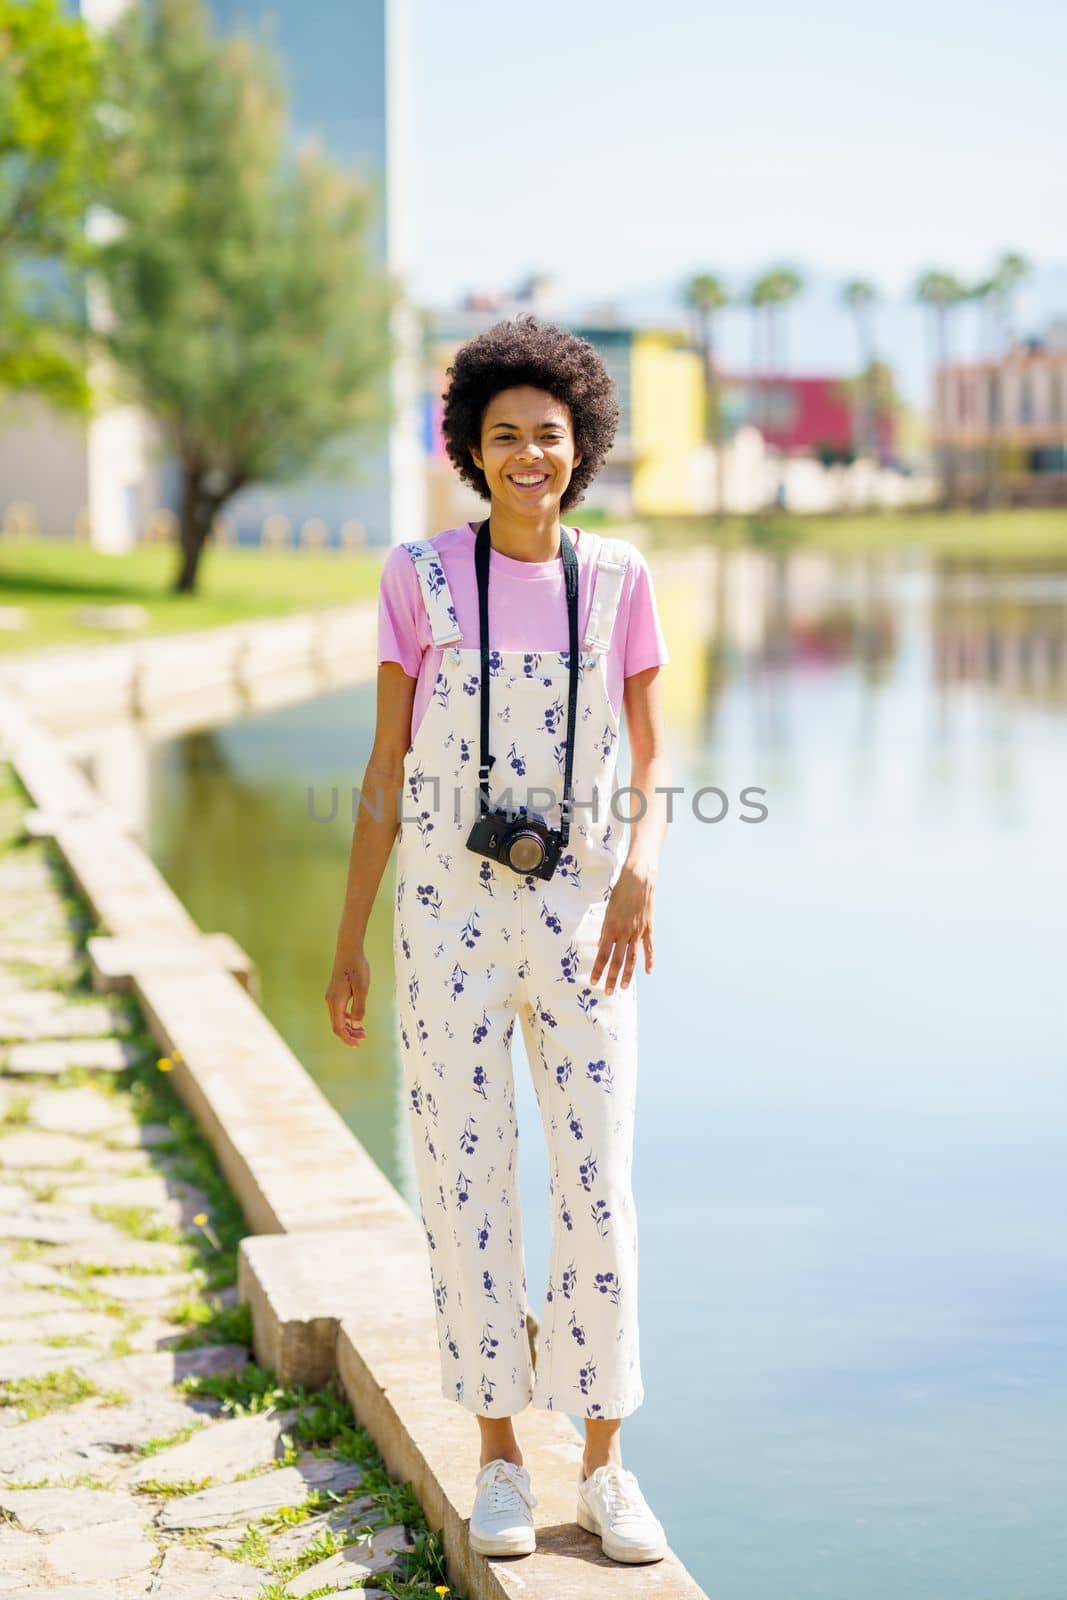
<point>849,1168</point>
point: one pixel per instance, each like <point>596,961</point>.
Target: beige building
<point>999,428</point>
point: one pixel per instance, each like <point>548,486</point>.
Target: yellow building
<point>667,422</point>
<point>658,463</point>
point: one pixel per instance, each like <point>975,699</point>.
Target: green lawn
<point>51,578</point>
<point>995,535</point>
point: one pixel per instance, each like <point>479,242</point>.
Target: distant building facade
<point>805,416</point>
<point>999,428</point>
<point>781,437</point>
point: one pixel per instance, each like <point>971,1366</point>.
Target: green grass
<point>994,535</point>
<point>52,578</point>
<point>54,1391</point>
<point>327,1422</point>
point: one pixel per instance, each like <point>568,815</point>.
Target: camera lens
<point>525,851</point>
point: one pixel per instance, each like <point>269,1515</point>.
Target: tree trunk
<point>948,446</point>
<point>198,512</point>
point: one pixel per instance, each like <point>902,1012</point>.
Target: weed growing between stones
<point>52,1391</point>
<point>169,1139</point>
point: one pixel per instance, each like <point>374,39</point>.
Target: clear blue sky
<point>620,146</point>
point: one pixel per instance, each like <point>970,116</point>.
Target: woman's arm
<point>372,840</point>
<point>629,914</point>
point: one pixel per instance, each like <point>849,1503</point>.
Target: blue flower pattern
<point>479,948</point>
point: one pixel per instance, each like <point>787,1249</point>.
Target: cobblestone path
<point>142,1450</point>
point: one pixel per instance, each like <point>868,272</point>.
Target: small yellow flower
<point>442,1588</point>
<point>177,1055</point>
<point>164,1063</point>
<point>200,1218</point>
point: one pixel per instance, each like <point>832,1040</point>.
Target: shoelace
<point>624,1499</point>
<point>505,1482</point>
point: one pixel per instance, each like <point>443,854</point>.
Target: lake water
<point>851,1167</point>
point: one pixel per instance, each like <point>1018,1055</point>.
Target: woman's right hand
<point>349,980</point>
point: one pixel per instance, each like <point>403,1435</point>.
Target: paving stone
<point>348,1568</point>
<point>52,950</point>
<point>34,1147</point>
<point>83,1110</point>
<point>256,1497</point>
<point>121,1254</point>
<point>94,1018</point>
<point>116,1550</point>
<point>27,1302</point>
<point>93,1437</point>
<point>33,1360</point>
<point>155,1333</point>
<point>223,1299</point>
<point>222,1452</point>
<point>163,1368</point>
<point>37,1274</point>
<point>134,1287</point>
<point>293,1542</point>
<point>142,1135</point>
<point>50,1223</point>
<point>65,1318</point>
<point>117,1589</point>
<point>189,1574</point>
<point>66,1510</point>
<point>58,1055</point>
<point>12,1196</point>
<point>26,870</point>
<point>153,1191</point>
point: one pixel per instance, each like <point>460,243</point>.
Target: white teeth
<point>539,477</point>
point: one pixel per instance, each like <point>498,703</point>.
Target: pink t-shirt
<point>527,610</point>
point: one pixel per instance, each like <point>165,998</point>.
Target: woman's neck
<point>533,538</point>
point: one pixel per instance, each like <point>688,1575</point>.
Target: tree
<point>941,294</point>
<point>861,296</point>
<point>49,81</point>
<point>995,295</point>
<point>243,312</point>
<point>874,388</point>
<point>705,295</point>
<point>1009,272</point>
<point>770,296</point>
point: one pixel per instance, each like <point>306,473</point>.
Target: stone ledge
<point>367,1295</point>
<point>115,962</point>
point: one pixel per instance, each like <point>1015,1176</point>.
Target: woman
<point>482,936</point>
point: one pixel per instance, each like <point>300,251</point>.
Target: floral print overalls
<point>477,944</point>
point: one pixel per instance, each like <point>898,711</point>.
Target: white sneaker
<point>611,1504</point>
<point>502,1518</point>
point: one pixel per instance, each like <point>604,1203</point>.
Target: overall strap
<point>436,595</point>
<point>607,587</point>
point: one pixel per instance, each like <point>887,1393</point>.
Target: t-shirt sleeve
<point>400,612</point>
<point>646,645</point>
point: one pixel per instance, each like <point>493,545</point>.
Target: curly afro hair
<point>527,351</point>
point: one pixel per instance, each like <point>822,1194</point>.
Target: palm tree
<point>941,293</point>
<point>861,296</point>
<point>705,295</point>
<point>997,292</point>
<point>1008,273</point>
<point>769,298</point>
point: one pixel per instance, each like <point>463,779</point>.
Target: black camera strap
<point>570,573</point>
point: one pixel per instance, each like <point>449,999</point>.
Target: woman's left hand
<point>627,923</point>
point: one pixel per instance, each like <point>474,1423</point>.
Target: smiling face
<point>527,450</point>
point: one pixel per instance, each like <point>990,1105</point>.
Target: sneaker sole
<point>626,1553</point>
<point>519,1546</point>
